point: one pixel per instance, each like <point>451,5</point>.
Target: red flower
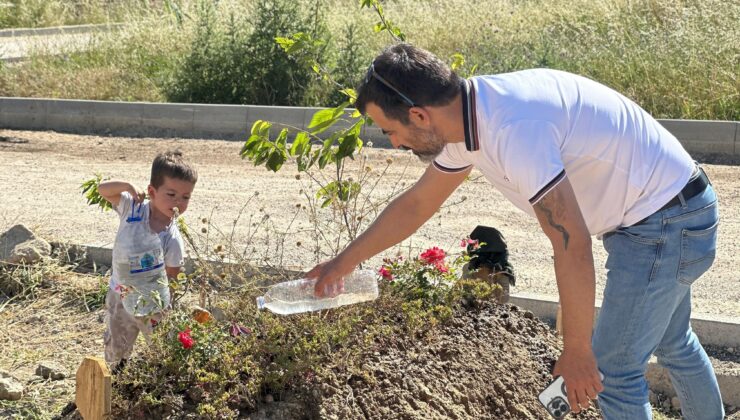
<point>185,338</point>
<point>386,273</point>
<point>433,255</point>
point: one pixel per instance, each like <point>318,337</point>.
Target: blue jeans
<point>647,310</point>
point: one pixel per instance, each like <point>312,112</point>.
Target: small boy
<point>171,185</point>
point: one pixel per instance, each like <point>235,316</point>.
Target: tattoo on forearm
<point>549,214</point>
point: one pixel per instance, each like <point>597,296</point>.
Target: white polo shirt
<point>525,131</point>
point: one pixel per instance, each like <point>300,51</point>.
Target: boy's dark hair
<point>416,74</point>
<point>172,165</point>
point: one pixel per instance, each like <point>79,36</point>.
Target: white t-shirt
<point>526,130</point>
<point>172,242</point>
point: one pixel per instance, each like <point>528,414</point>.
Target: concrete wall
<point>233,122</point>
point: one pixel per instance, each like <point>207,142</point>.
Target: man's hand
<point>582,381</point>
<point>329,277</point>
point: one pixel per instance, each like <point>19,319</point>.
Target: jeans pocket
<point>698,249</point>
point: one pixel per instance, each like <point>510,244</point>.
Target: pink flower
<point>185,339</point>
<point>467,241</point>
<point>386,273</point>
<point>433,255</point>
<point>441,267</point>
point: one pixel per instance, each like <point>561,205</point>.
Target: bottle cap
<point>260,302</point>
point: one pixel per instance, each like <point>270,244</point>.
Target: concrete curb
<point>714,330</point>
<point>233,122</point>
<point>56,30</point>
<point>729,383</point>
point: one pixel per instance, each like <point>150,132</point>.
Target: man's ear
<point>420,117</point>
<point>150,191</point>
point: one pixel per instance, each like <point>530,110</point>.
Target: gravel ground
<point>42,171</point>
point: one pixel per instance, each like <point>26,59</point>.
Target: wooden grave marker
<point>93,389</point>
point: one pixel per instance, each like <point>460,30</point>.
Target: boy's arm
<point>172,272</point>
<point>111,191</point>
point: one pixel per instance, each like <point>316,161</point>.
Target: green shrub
<point>239,62</point>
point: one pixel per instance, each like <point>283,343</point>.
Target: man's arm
<point>561,220</point>
<point>398,221</point>
<point>111,191</point>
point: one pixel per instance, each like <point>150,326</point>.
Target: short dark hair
<point>172,165</point>
<point>417,73</point>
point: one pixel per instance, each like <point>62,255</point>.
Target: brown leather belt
<point>696,185</point>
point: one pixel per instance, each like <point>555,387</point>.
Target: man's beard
<point>432,144</point>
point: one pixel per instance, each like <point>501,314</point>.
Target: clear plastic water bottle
<point>297,296</point>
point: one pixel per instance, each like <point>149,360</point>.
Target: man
<point>585,161</point>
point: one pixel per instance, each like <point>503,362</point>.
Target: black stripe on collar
<point>469,115</point>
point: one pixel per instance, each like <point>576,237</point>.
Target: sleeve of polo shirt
<point>531,156</point>
<point>450,161</point>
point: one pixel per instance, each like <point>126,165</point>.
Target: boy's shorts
<point>122,328</point>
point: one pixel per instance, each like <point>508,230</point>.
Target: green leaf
<point>300,143</point>
<point>285,43</point>
<point>92,195</point>
<point>458,60</point>
<point>350,93</point>
<point>276,160</point>
<point>252,142</point>
<point>262,156</point>
<point>325,118</point>
<point>281,139</point>
<point>261,127</point>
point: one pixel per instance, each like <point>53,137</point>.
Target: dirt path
<point>41,173</point>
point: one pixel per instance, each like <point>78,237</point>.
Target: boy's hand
<point>137,195</point>
<point>111,191</point>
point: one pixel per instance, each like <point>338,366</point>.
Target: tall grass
<point>44,13</point>
<point>677,58</point>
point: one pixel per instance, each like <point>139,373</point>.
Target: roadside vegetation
<point>678,59</point>
<point>45,13</point>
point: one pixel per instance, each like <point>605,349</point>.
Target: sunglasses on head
<point>371,73</point>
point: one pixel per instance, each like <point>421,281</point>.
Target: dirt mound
<point>490,362</point>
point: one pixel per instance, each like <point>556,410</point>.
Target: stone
<point>30,252</point>
<point>652,397</point>
<point>676,403</point>
<point>218,313</point>
<point>12,237</point>
<point>731,350</point>
<point>50,370</point>
<point>10,389</point>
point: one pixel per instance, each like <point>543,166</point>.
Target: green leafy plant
<point>92,195</point>
<point>236,61</point>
